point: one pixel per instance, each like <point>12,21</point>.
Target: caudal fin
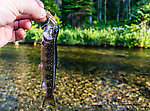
<point>49,101</point>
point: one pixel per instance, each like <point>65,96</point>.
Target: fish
<point>49,60</point>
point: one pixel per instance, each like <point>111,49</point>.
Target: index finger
<point>40,3</point>
<point>23,16</point>
<point>32,8</point>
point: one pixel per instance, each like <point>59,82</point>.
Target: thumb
<point>33,8</point>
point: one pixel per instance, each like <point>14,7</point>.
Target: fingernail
<point>43,12</point>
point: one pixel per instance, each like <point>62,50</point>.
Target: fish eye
<point>55,31</point>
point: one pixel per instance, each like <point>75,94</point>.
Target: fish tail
<point>48,101</point>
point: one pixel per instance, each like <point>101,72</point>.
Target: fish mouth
<point>47,39</point>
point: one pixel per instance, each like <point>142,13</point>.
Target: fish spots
<point>50,52</point>
<point>50,91</point>
<point>48,68</point>
<point>49,57</point>
<point>49,85</point>
<point>49,76</point>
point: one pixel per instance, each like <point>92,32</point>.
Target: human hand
<point>16,16</point>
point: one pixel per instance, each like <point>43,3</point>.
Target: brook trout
<point>49,59</point>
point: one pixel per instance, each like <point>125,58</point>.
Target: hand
<point>16,16</point>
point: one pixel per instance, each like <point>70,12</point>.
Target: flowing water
<point>89,79</point>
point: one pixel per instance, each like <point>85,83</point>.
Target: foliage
<point>75,10</point>
<point>77,6</point>
<point>51,6</point>
<point>34,34</point>
<point>131,36</point>
<point>141,12</point>
<point>59,22</point>
<point>76,13</point>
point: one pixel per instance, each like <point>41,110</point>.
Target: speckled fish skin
<point>49,62</point>
<point>49,71</point>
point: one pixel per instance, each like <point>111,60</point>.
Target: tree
<point>126,2</point>
<point>105,13</point>
<point>56,1</point>
<point>79,12</point>
<point>90,18</point>
<point>74,12</point>
<point>141,12</point>
<point>99,5</point>
<point>129,9</point>
<point>118,10</point>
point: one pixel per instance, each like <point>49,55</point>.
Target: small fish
<point>48,63</point>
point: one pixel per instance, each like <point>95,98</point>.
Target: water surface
<point>89,79</point>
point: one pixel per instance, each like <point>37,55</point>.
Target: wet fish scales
<point>49,59</point>
<point>49,73</point>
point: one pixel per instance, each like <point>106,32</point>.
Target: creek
<point>88,79</point>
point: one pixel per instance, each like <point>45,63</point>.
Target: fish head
<point>48,32</point>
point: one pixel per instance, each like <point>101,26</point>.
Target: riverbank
<point>133,36</point>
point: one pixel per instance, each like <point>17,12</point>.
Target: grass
<point>131,36</point>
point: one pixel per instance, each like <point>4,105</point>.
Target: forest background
<point>121,23</point>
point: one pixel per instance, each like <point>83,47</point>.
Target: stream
<point>89,79</point>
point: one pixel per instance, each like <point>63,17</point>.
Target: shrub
<point>131,36</point>
<point>34,34</point>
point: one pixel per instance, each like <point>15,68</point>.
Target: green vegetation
<point>76,12</point>
<point>82,22</point>
<point>34,34</point>
<point>132,37</point>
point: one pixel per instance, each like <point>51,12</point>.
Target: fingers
<point>20,27</point>
<point>32,8</point>
<point>20,34</point>
<point>9,35</point>
<point>24,16</point>
<point>25,24</point>
<point>40,3</point>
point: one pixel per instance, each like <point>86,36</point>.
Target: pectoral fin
<point>40,67</point>
<point>42,84</point>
